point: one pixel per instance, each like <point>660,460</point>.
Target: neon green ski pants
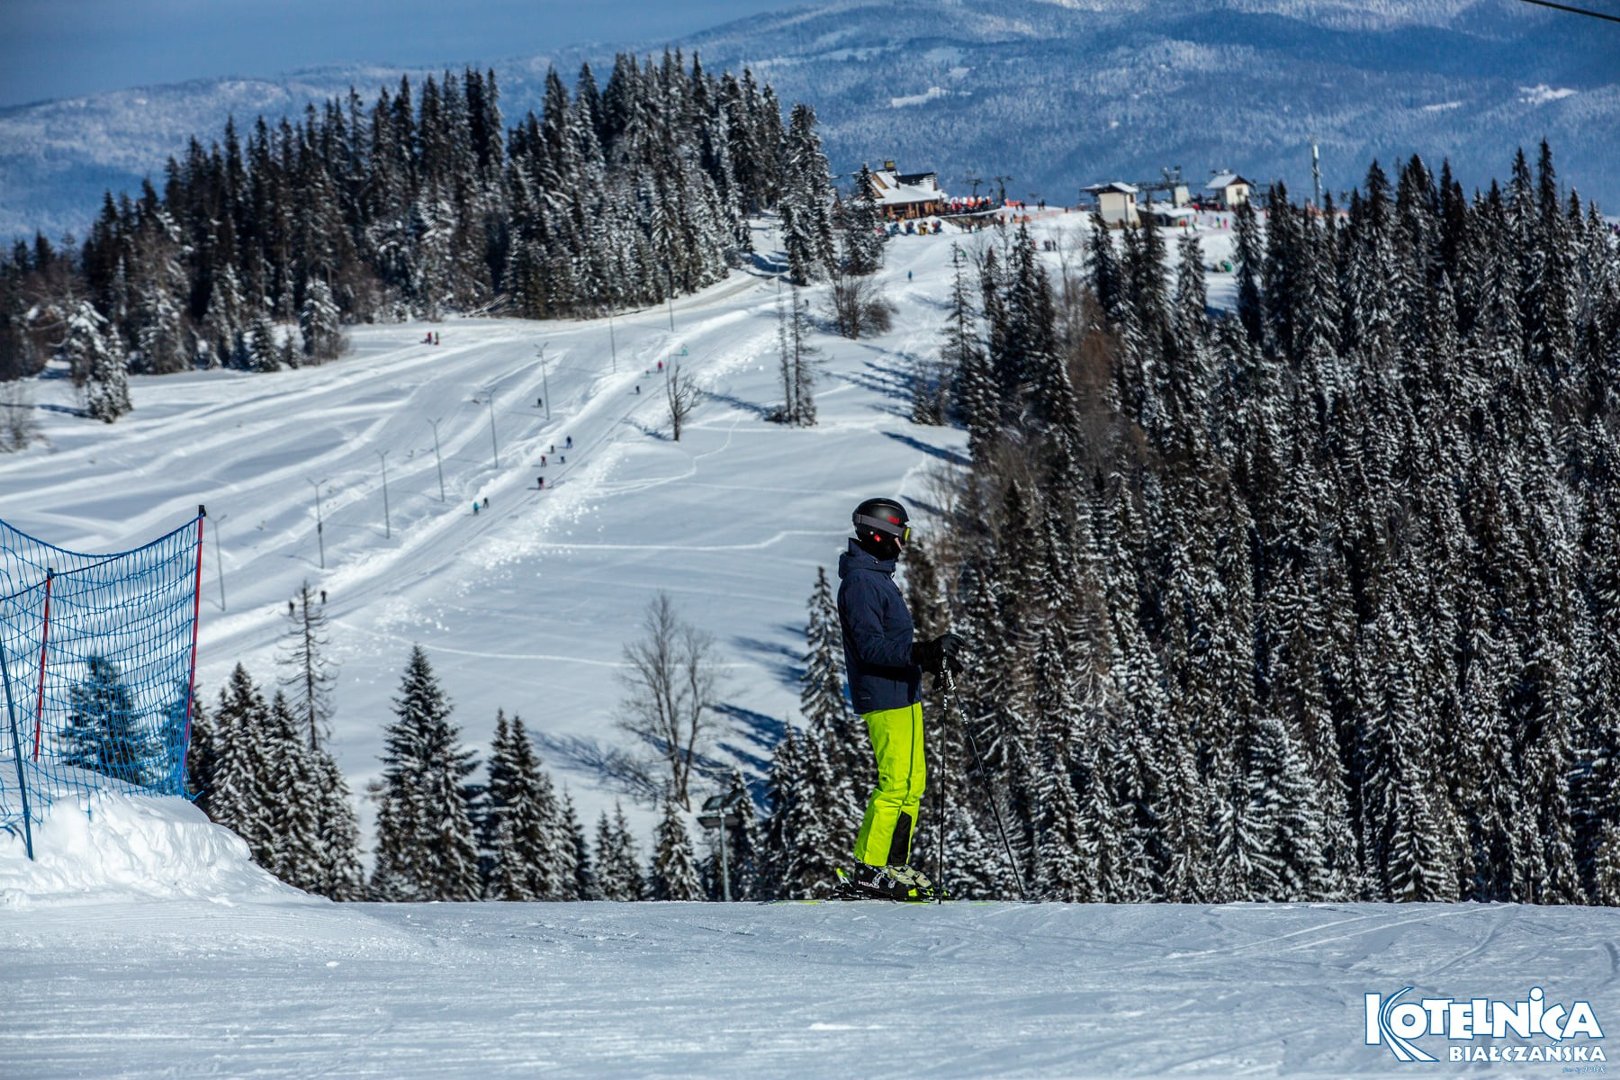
<point>891,812</point>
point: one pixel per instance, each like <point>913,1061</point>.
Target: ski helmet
<point>880,520</point>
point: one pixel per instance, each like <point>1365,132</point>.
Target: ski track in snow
<point>748,990</point>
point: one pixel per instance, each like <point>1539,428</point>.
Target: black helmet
<point>881,520</point>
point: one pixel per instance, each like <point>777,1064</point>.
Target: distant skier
<point>290,609</point>
<point>323,596</point>
<point>638,388</point>
<point>569,445</point>
<point>542,483</point>
<point>542,461</point>
<point>885,668</point>
<point>475,508</point>
<point>486,502</point>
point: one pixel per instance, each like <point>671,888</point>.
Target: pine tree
<point>339,875</point>
<point>674,874</point>
<point>577,874</point>
<point>863,228</point>
<point>318,322</point>
<point>91,351</point>
<point>104,733</point>
<point>962,354</point>
<point>522,826</point>
<point>238,797</point>
<point>425,844</point>
<point>293,814</point>
<point>618,865</point>
<point>806,201</point>
<point>823,704</point>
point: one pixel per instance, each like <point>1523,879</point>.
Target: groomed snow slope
<point>528,605</point>
<point>144,943</point>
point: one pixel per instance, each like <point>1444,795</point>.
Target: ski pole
<point>939,813</point>
<point>978,759</point>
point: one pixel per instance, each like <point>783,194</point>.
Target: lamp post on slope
<point>320,522</point>
<point>388,525</point>
<point>437,460</point>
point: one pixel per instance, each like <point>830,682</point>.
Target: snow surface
<point>230,975</point>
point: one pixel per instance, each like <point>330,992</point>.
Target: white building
<point>1229,187</point>
<point>1116,202</point>
<point>907,195</point>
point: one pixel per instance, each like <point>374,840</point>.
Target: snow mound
<point>118,846</point>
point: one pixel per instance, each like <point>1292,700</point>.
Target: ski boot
<point>900,883</point>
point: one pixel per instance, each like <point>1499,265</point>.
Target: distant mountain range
<point>1055,94</point>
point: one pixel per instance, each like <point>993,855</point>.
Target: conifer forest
<point>1315,600</point>
<point>420,204</point>
<point>1313,596</point>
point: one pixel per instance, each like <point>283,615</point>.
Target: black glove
<point>938,655</point>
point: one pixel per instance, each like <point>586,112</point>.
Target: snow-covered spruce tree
<point>618,864</point>
<point>338,875</point>
<point>104,733</point>
<point>806,833</point>
<point>425,844</point>
<point>521,822</point>
<point>863,227</point>
<point>829,721</point>
<point>94,356</point>
<point>263,349</point>
<point>294,810</point>
<point>319,321</point>
<point>237,796</point>
<point>674,873</point>
<point>200,755</point>
<point>964,389</point>
<point>578,875</point>
<point>806,201</point>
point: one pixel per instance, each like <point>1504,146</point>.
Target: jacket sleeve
<point>875,645</point>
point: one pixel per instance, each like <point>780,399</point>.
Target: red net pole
<point>44,640</point>
<point>196,617</point>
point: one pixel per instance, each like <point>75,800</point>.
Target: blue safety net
<point>97,657</point>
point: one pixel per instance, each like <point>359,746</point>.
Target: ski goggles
<point>902,533</point>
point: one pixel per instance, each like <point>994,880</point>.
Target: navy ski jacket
<point>877,634</point>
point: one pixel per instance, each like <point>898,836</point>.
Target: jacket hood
<point>857,558</point>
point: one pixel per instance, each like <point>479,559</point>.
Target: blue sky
<point>64,48</point>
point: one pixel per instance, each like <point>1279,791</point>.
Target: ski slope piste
<point>98,659</point>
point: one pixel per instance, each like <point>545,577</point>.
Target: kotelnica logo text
<point>1395,1023</point>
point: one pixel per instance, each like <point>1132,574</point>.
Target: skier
<point>569,445</point>
<point>475,508</point>
<point>542,483</point>
<point>885,668</point>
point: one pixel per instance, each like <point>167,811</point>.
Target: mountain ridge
<point>1057,94</point>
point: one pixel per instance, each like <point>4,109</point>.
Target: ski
<point>846,889</point>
